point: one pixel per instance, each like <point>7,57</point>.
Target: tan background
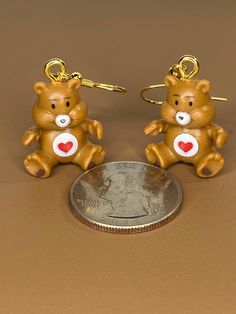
<point>50,263</point>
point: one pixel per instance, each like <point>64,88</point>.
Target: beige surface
<point>50,263</point>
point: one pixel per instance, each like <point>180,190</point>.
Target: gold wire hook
<point>62,75</point>
<point>183,67</point>
<point>55,77</point>
<point>179,70</point>
<point>157,102</point>
<point>219,98</point>
<point>91,84</point>
<point>152,101</point>
<point>113,88</point>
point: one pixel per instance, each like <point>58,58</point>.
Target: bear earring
<point>187,115</point>
<point>61,123</point>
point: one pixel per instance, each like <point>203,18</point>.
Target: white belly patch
<point>185,145</point>
<point>65,145</point>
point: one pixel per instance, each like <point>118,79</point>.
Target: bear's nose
<point>62,120</point>
<point>183,117</point>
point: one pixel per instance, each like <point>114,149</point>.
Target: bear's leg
<point>89,156</point>
<point>39,164</point>
<point>160,155</point>
<point>209,165</point>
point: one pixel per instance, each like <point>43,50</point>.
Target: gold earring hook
<point>91,84</point>
<point>152,101</point>
<point>157,102</point>
<point>184,68</point>
<point>180,71</point>
<point>62,75</point>
<point>219,98</point>
<point>55,77</point>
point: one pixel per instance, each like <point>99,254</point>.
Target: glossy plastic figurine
<point>187,115</point>
<point>62,124</point>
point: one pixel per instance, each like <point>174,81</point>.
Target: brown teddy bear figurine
<point>190,135</point>
<point>61,130</point>
<point>62,124</point>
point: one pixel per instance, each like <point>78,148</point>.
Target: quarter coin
<point>125,197</point>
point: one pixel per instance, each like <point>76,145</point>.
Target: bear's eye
<point>176,102</point>
<point>53,106</point>
<point>190,103</point>
<point>67,104</point>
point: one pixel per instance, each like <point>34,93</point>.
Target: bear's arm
<point>218,134</point>
<point>93,127</point>
<point>30,136</point>
<point>156,127</point>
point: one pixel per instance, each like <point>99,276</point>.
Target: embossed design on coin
<point>125,197</point>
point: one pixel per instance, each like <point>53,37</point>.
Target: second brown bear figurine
<point>62,125</point>
<point>187,115</point>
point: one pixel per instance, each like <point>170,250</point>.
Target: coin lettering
<point>90,203</point>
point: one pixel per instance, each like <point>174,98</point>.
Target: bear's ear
<point>74,83</point>
<point>39,87</point>
<point>171,80</point>
<point>203,86</point>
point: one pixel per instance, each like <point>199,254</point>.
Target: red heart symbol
<point>185,146</point>
<point>65,147</point>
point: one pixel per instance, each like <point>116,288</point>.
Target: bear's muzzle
<point>183,118</point>
<point>62,120</point>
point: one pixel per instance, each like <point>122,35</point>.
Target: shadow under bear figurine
<point>187,115</point>
<point>62,124</point>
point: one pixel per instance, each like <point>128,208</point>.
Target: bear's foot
<point>97,157</point>
<point>210,165</point>
<point>35,165</point>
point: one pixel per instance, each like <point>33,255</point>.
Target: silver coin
<point>125,197</point>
